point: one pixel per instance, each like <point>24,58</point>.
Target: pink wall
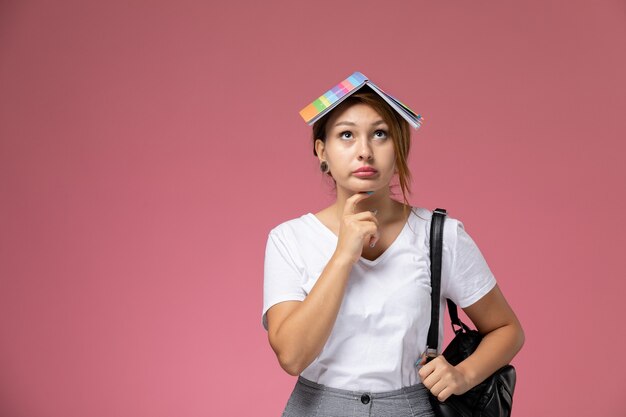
<point>147,149</point>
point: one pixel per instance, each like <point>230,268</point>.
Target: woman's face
<point>357,137</point>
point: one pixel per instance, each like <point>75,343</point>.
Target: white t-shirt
<point>382,324</point>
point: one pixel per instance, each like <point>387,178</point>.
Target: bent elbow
<point>517,338</point>
<point>293,371</point>
<point>291,366</point>
<point>521,338</point>
<point>287,354</point>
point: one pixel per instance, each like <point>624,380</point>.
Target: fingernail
<point>374,212</point>
<point>369,192</point>
<point>372,244</point>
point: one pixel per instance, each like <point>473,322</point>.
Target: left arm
<point>503,337</point>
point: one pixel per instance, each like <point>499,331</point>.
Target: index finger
<point>352,201</point>
<point>425,370</point>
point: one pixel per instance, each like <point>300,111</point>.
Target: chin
<point>363,187</point>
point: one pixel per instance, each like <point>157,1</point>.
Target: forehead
<point>355,113</point>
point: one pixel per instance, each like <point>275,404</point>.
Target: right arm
<point>298,330</point>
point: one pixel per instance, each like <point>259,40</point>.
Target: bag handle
<point>436,254</point>
<point>436,239</point>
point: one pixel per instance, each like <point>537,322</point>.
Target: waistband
<point>381,394</point>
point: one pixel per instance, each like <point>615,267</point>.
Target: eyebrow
<point>379,122</point>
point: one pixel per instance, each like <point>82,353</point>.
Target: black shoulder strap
<point>454,315</point>
<point>436,251</point>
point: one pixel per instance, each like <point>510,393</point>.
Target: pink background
<point>146,150</point>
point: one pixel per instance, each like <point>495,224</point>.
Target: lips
<point>365,169</point>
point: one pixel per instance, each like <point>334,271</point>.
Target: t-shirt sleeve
<point>283,274</point>
<point>468,275</point>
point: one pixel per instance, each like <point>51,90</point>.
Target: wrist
<point>341,261</point>
<point>469,374</point>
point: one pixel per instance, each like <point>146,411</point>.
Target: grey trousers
<point>310,399</point>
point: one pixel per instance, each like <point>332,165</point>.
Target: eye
<point>380,134</point>
<point>346,135</point>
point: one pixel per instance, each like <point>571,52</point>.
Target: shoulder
<point>300,239</point>
<point>422,222</point>
<point>294,228</point>
<point>424,216</point>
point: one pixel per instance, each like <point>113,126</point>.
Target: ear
<point>320,149</point>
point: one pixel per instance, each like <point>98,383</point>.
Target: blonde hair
<point>399,130</point>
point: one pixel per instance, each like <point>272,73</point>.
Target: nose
<point>365,151</point>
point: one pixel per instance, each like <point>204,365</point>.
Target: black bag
<point>494,396</point>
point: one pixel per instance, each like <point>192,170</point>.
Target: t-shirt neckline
<point>380,257</point>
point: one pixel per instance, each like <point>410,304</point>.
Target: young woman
<point>347,289</point>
